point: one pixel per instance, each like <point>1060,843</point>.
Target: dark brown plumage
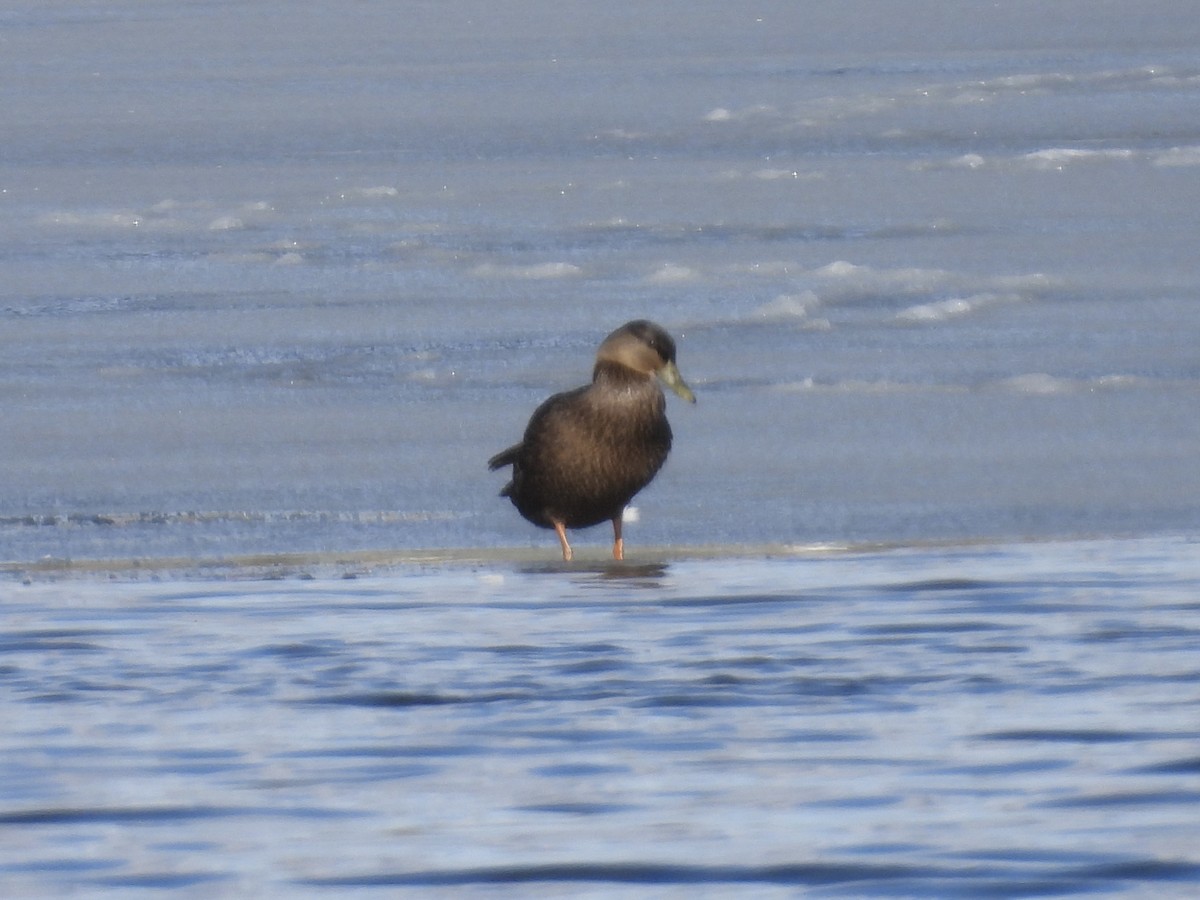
<point>586,452</point>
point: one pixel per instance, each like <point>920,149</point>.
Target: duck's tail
<point>504,458</point>
<point>500,460</point>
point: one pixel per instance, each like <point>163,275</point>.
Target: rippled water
<point>1010,720</point>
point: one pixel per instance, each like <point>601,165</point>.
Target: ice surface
<point>281,278</point>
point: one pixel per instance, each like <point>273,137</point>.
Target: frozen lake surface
<point>276,279</point>
<point>281,278</point>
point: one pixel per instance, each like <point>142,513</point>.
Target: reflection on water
<point>630,574</point>
<point>992,721</point>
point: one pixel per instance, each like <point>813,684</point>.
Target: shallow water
<point>1008,720</point>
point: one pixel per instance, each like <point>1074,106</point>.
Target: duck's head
<point>645,347</point>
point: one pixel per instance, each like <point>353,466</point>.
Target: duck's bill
<point>669,375</point>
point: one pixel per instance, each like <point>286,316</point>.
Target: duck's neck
<point>616,375</point>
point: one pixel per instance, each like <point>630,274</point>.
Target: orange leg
<point>561,531</point>
<point>618,541</point>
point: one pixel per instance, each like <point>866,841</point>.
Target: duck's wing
<point>543,425</point>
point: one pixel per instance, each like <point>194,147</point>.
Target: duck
<point>586,452</point>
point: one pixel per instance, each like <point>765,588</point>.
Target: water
<point>1016,720</point>
<point>906,612</point>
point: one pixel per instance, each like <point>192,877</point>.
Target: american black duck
<point>586,452</point>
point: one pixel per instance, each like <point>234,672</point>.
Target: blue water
<point>911,609</point>
<point>1011,720</point>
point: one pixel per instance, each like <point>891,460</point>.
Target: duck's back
<point>587,452</point>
